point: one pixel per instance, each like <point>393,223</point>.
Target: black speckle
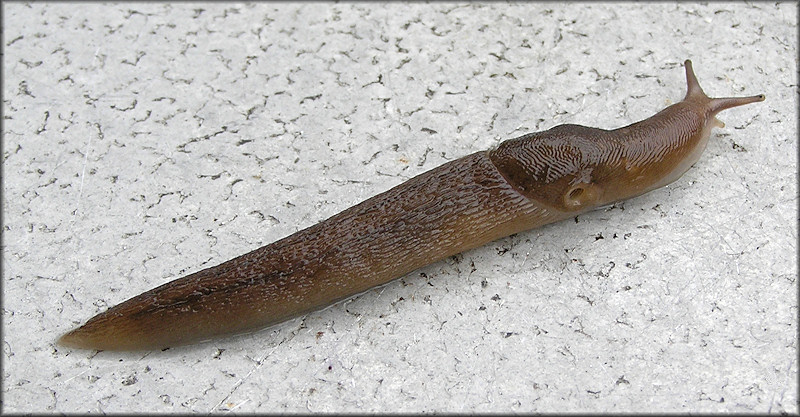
<point>129,380</point>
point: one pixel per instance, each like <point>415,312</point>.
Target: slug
<point>523,183</point>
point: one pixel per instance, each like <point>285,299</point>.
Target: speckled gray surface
<point>145,141</point>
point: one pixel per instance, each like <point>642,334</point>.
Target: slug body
<point>524,183</point>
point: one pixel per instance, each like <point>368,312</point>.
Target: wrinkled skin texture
<point>524,183</point>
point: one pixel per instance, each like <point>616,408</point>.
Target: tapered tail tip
<point>73,339</point>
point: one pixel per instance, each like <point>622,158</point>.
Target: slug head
<point>572,168</point>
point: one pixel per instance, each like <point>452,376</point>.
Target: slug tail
<point>98,334</point>
<point>72,340</point>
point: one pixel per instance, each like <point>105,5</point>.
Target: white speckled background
<point>142,142</point>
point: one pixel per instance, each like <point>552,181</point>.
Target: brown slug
<point>521,184</point>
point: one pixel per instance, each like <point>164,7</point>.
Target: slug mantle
<point>522,184</point>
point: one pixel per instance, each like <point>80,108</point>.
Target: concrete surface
<point>142,142</point>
